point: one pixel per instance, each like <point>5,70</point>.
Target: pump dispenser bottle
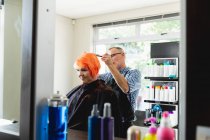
<point>94,124</point>
<point>165,131</point>
<point>107,126</point>
<point>151,135</point>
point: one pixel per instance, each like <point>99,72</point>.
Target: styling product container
<point>151,134</point>
<point>134,133</point>
<point>107,127</point>
<point>58,117</point>
<point>94,124</point>
<point>165,131</point>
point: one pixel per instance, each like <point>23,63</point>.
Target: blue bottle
<point>58,117</point>
<point>94,124</point>
<point>107,126</point>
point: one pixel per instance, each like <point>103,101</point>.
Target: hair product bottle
<point>151,135</point>
<point>94,124</point>
<point>165,132</point>
<point>58,114</point>
<point>107,127</point>
<point>134,133</point>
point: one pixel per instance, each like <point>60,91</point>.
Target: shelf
<point>162,102</point>
<point>163,78</point>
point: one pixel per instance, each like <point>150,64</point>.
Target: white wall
<point>63,54</point>
<point>1,60</point>
<point>12,59</point>
<point>83,33</point>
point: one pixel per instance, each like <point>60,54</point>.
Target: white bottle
<point>152,70</point>
<point>157,93</point>
<point>171,70</point>
<point>166,68</point>
<point>162,93</point>
<point>156,70</point>
<point>161,67</point>
<point>151,92</point>
<point>147,93</point>
<point>147,70</point>
<point>171,93</point>
<point>166,94</point>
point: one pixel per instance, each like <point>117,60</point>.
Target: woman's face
<point>84,75</point>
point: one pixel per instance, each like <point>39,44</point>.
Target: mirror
<point>10,59</point>
<point>80,32</point>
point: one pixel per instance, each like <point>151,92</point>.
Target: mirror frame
<point>28,73</point>
<point>29,93</point>
<point>29,11</point>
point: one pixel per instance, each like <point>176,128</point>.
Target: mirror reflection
<point>10,59</point>
<point>136,31</point>
<point>132,29</point>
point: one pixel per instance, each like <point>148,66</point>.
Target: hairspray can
<point>58,116</point>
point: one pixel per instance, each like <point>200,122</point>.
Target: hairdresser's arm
<point>119,78</point>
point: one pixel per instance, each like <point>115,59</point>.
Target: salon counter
<point>81,135</point>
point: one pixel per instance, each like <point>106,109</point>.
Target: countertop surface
<point>81,135</point>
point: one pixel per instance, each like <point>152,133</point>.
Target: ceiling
<point>75,9</point>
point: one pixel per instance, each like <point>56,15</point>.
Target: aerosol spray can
<point>58,116</point>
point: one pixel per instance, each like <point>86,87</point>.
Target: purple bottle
<point>107,127</point>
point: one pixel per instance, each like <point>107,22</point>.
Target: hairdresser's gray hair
<point>118,48</point>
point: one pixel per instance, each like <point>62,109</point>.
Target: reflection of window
<point>135,38</point>
<point>160,27</point>
<point>116,32</point>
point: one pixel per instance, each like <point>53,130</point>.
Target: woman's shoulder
<point>73,91</point>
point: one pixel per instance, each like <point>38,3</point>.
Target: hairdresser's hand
<point>106,58</point>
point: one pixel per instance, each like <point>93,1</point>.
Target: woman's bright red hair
<point>89,61</point>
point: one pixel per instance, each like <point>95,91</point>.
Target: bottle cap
<point>165,114</point>
<point>165,120</point>
<point>95,111</point>
<point>107,110</point>
<point>57,100</point>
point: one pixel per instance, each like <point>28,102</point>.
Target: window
<point>135,37</point>
<point>116,32</point>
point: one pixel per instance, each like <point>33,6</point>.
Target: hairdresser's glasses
<point>112,55</point>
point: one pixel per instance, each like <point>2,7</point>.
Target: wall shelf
<point>162,78</point>
<point>161,102</point>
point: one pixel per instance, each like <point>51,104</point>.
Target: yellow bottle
<point>151,134</point>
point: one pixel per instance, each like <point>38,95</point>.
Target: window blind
<point>138,20</point>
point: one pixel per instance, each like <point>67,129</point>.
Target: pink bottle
<point>165,131</point>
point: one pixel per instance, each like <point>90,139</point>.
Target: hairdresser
<point>124,81</point>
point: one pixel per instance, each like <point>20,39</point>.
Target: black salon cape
<point>94,93</point>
